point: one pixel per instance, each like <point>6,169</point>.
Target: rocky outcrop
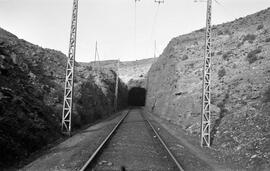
<point>133,73</point>
<point>95,92</point>
<point>31,96</point>
<point>27,120</point>
<point>137,82</point>
<point>240,86</point>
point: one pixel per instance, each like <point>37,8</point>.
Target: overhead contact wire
<point>135,29</point>
<point>153,29</point>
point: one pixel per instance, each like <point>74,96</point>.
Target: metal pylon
<point>68,94</point>
<point>159,1</point>
<point>205,115</point>
<point>116,86</point>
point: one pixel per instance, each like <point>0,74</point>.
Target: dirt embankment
<point>240,87</point>
<point>31,96</point>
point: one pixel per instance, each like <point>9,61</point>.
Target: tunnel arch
<point>136,96</point>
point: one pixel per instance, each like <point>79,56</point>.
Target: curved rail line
<point>101,146</point>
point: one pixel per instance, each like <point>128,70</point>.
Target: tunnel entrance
<point>136,96</point>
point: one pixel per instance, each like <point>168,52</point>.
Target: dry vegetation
<point>31,97</point>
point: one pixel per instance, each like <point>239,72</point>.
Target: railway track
<point>133,144</point>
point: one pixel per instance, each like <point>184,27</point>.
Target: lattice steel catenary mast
<point>68,94</point>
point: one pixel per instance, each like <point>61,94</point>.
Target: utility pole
<point>135,27</point>
<point>155,18</point>
<point>68,94</point>
<point>155,47</point>
<point>116,86</point>
<point>205,115</point>
<point>97,62</point>
<point>96,53</point>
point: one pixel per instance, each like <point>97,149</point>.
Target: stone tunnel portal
<point>136,96</point>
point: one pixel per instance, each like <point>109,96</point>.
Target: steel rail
<point>164,145</point>
<point>98,150</point>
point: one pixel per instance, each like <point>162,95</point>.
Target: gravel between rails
<point>134,146</point>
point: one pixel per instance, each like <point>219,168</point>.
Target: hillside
<point>240,88</point>
<point>133,73</point>
<point>31,96</point>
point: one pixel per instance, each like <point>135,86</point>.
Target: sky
<point>112,23</point>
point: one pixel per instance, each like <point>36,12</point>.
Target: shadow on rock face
<point>136,96</point>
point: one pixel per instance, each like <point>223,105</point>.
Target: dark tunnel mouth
<point>136,96</point>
